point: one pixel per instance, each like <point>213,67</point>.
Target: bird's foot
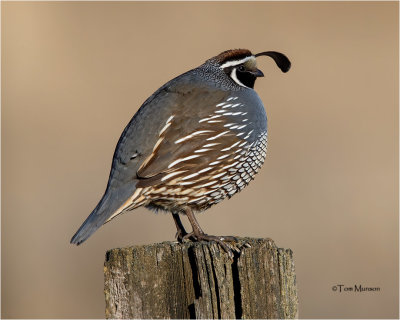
<point>228,243</point>
<point>189,237</point>
<point>181,236</point>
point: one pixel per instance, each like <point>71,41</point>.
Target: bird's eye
<point>241,68</point>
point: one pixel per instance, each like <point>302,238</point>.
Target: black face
<point>242,75</point>
<point>245,76</point>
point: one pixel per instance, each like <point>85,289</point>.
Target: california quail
<point>197,140</point>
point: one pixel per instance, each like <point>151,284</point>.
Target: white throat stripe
<point>235,78</point>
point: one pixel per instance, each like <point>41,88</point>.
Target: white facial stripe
<point>236,62</point>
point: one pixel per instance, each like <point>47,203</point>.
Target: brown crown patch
<point>234,54</point>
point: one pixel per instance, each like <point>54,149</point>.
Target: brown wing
<point>193,139</point>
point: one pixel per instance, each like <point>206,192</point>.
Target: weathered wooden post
<point>198,280</point>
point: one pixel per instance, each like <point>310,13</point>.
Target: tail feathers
<point>95,220</point>
<point>110,205</point>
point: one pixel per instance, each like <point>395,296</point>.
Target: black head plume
<point>280,59</point>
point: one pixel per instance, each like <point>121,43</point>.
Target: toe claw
<point>188,237</point>
<point>228,243</point>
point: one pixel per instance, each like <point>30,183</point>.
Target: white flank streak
<point>227,113</point>
<point>236,105</point>
<point>226,149</point>
<point>186,183</point>
<point>219,111</point>
<point>165,128</point>
<point>191,135</point>
<point>214,163</point>
<point>200,132</point>
<point>205,169</point>
<point>202,150</point>
<point>241,127</point>
<point>214,121</point>
<point>217,136</point>
<point>158,143</point>
<point>235,78</point>
<point>229,124</point>
<point>220,104</point>
<point>206,185</point>
<point>218,175</point>
<point>190,176</point>
<point>171,175</point>
<point>227,106</point>
<point>248,135</point>
<point>126,204</point>
<point>194,200</point>
<point>237,113</point>
<point>187,191</point>
<point>213,117</point>
<point>231,165</point>
<point>236,62</point>
<point>167,124</point>
<point>242,144</point>
<point>223,157</point>
<point>204,119</point>
<point>244,120</point>
<point>183,159</point>
<point>211,144</point>
<point>234,127</point>
<point>229,99</point>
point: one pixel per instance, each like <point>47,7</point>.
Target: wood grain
<point>198,280</point>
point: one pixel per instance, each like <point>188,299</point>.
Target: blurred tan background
<point>73,74</point>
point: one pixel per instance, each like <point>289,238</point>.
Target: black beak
<point>280,59</point>
<point>257,73</point>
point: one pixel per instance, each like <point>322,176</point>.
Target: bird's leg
<point>199,235</point>
<point>180,229</point>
